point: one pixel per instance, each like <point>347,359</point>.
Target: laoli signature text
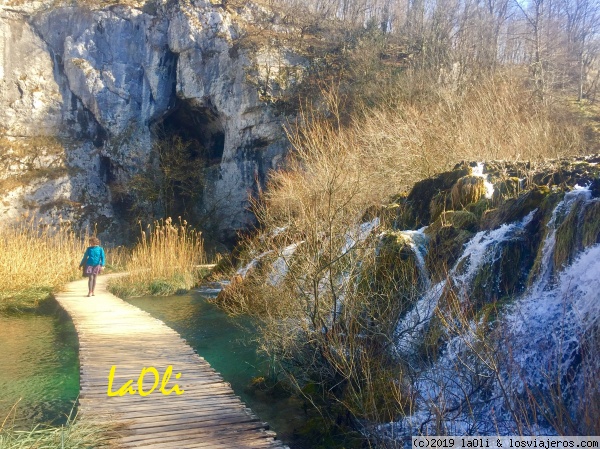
<point>128,388</point>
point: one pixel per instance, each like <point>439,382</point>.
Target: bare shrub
<point>326,289</point>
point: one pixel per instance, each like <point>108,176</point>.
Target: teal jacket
<point>94,255</point>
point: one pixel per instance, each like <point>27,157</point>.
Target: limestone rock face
<point>115,61</point>
<point>106,81</point>
<point>30,101</point>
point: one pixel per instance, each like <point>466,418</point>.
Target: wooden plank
<point>111,332</point>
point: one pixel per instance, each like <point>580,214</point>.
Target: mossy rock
<point>568,173</point>
<point>515,209</point>
<point>498,171</point>
<point>590,228</point>
<point>440,203</point>
<point>395,270</point>
<point>460,219</point>
<point>463,220</point>
<point>505,276</point>
<point>580,229</point>
<point>479,208</point>
<point>422,193</point>
<point>445,247</point>
<point>566,238</point>
<point>448,234</point>
<point>538,228</point>
<point>507,188</point>
<point>467,190</point>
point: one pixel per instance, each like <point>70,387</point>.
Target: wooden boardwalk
<point>114,333</point>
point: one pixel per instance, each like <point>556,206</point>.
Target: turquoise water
<point>227,344</point>
<point>39,369</point>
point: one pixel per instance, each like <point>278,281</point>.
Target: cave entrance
<point>199,127</point>
<point>189,141</point>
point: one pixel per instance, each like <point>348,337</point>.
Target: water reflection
<point>39,369</point>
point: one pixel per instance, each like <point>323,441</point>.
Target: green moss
<point>507,188</point>
<point>566,238</point>
<point>457,219</point>
<point>445,247</point>
<point>505,276</point>
<point>479,208</point>
<point>467,190</point>
<point>464,220</point>
<point>448,234</point>
<point>422,193</point>
<point>538,231</point>
<point>515,209</point>
<point>590,228</point>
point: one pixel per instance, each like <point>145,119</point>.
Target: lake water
<point>39,369</point>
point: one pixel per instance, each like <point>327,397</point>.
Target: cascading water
<point>489,187</point>
<point>281,265</point>
<point>486,377</point>
<point>482,249</point>
<point>558,214</point>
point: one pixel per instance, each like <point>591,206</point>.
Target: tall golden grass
<point>165,260</point>
<point>74,434</point>
<point>36,259</point>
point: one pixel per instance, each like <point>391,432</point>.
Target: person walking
<point>93,261</point>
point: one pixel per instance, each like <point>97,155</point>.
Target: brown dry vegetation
<point>36,260</point>
<point>325,325</point>
<point>165,261</point>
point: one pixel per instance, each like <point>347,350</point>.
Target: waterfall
<point>281,265</point>
<point>561,210</point>
<point>417,241</point>
<point>489,187</point>
<point>486,372</point>
<point>545,328</point>
<point>243,271</point>
<point>482,249</point>
<point>358,234</point>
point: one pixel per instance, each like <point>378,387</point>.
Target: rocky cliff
<point>85,93</point>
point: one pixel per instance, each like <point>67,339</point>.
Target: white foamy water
<point>359,234</point>
<point>473,387</point>
<point>281,264</point>
<point>483,248</point>
<point>545,327</point>
<point>243,271</point>
<point>561,210</point>
<point>489,187</point>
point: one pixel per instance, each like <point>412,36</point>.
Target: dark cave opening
<point>198,127</point>
<point>107,170</point>
<point>190,140</point>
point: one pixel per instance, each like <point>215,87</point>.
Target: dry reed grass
<point>165,261</point>
<point>74,434</point>
<point>36,260</point>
